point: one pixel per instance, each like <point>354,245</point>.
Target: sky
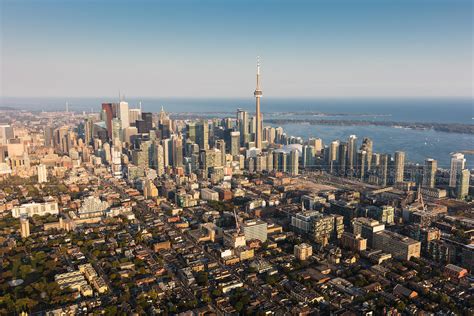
<point>319,48</point>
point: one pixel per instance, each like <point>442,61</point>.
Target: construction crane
<point>237,226</point>
<point>420,198</point>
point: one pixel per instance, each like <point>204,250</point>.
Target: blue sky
<point>327,48</point>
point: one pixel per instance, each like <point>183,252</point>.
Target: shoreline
<point>439,127</point>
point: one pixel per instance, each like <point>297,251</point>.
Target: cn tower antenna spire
<point>258,115</point>
<point>258,73</point>
<point>258,65</point>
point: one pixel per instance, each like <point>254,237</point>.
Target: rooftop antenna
<point>67,107</point>
<point>140,105</point>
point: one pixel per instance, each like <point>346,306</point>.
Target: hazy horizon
<point>125,97</point>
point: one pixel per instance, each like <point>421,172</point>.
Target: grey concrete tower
<point>258,116</point>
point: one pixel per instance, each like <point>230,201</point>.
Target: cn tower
<point>258,116</point>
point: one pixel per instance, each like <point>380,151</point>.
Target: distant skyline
<point>330,48</point>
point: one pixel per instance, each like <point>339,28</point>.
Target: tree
<point>25,270</point>
<point>216,293</point>
<point>111,310</point>
<point>25,304</point>
<point>205,298</point>
<point>239,306</point>
<point>202,278</point>
<point>270,279</point>
<point>8,302</point>
<point>15,268</point>
<point>444,299</point>
<point>172,308</point>
<point>401,306</point>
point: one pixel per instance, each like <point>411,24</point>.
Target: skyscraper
<point>24,227</point>
<point>269,134</point>
<point>462,185</point>
<point>278,134</point>
<point>375,161</point>
<point>149,189</point>
<point>202,134</point>
<point>123,114</point>
<point>141,155</point>
<point>260,163</point>
<point>42,173</point>
<point>177,150</point>
<point>234,143</point>
<point>367,145</point>
<point>270,161</point>
<point>399,166</point>
<point>165,124</point>
<point>429,173</point>
<point>361,164</point>
<point>282,161</point>
<point>116,128</point>
<point>128,133</point>
<point>317,143</point>
<point>167,149</point>
<point>191,131</point>
<point>108,116</point>
<point>252,128</point>
<point>457,165</point>
<point>308,156</point>
<point>88,131</point>
<point>220,144</point>
<point>303,251</point>
<point>134,115</point>
<point>116,153</point>
<point>147,117</point>
<point>243,124</point>
<point>48,136</point>
<point>293,163</point>
<point>383,169</point>
<point>342,159</point>
<point>332,156</point>
<point>255,229</point>
<point>210,158</point>
<point>258,116</point>
<point>6,133</point>
<point>351,154</point>
<point>61,139</point>
<point>158,159</point>
<point>106,153</point>
<point>367,228</point>
<point>141,126</point>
